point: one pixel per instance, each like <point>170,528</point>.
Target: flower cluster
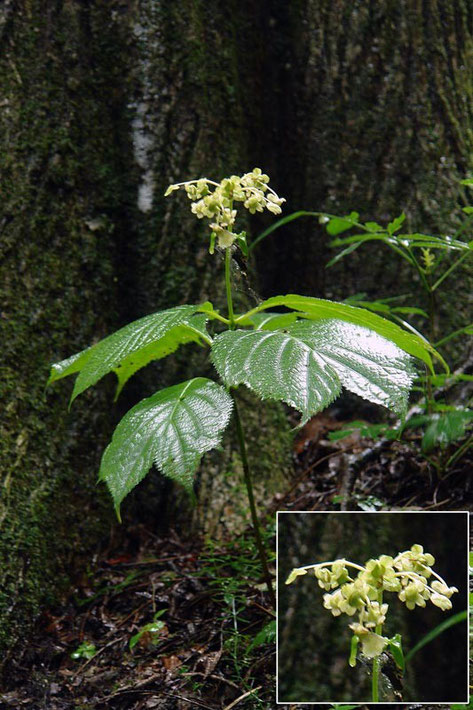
<point>215,201</point>
<point>408,574</point>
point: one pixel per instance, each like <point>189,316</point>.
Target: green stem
<point>242,445</point>
<point>455,333</point>
<point>251,499</point>
<point>459,453</point>
<point>376,660</point>
<point>449,270</point>
<point>228,288</point>
<point>375,680</point>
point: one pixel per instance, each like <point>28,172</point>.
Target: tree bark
<point>105,104</point>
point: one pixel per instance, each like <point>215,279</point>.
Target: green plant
<point>408,575</point>
<point>85,650</point>
<point>149,632</point>
<point>430,259</point>
<point>302,357</point>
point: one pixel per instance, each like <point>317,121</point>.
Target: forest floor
<point>178,624</point>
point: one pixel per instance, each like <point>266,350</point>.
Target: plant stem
<point>242,444</point>
<point>228,288</point>
<point>375,680</point>
<point>459,452</point>
<point>449,270</point>
<point>376,659</point>
<point>251,499</point>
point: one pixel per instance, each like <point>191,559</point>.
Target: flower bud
<point>441,601</point>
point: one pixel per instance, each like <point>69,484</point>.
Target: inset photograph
<point>372,607</point>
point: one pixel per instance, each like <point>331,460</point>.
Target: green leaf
<point>266,635</point>
<point>376,306</point>
<point>69,366</point>
<point>445,428</point>
<point>270,321</point>
<point>190,332</point>
<point>86,650</point>
<point>337,225</point>
<point>468,182</point>
<point>371,431</point>
<point>360,239</point>
<point>306,364</point>
<point>171,429</point>
<point>373,227</point>
<point>242,243</point>
<point>395,644</point>
<point>396,224</point>
<point>153,628</point>
<point>431,635</point>
<point>344,253</point>
<point>133,347</point>
<point>316,308</point>
<point>409,310</point>
<point>467,210</point>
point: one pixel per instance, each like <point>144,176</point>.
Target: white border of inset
<point>374,512</point>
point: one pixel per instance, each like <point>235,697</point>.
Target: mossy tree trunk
<point>63,204</point>
<point>103,105</point>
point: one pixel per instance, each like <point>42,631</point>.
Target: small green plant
<point>149,632</point>
<point>408,575</point>
<point>85,650</point>
<point>302,356</point>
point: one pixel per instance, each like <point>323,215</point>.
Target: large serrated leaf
<point>171,429</point>
<point>317,308</point>
<point>306,364</point>
<point>270,321</point>
<point>132,347</point>
<point>189,332</point>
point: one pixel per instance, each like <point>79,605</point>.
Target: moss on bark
<point>63,191</point>
<point>103,105</point>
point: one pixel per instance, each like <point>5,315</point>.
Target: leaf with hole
<point>307,363</point>
<point>171,429</point>
<point>132,347</point>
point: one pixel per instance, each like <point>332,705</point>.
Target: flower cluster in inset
<point>408,574</point>
<point>215,201</point>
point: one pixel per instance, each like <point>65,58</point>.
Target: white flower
<point>296,572</point>
<point>441,601</point>
<point>215,201</point>
<point>373,644</point>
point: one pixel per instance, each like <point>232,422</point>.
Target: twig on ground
<point>242,697</point>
